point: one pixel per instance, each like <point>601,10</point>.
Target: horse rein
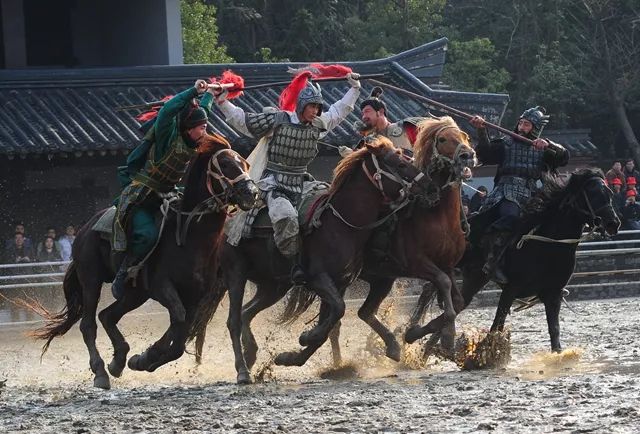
<point>377,177</point>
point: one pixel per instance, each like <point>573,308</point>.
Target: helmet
<point>538,118</point>
<point>310,94</point>
<point>192,115</point>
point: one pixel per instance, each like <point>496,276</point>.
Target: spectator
<point>630,172</point>
<point>49,252</point>
<point>19,251</point>
<point>464,198</point>
<point>19,228</point>
<point>478,199</point>
<point>66,241</point>
<point>619,197</point>
<point>631,212</point>
<point>616,172</point>
<point>465,209</point>
<point>632,184</point>
<point>51,232</point>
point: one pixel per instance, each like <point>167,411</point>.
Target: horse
<point>183,265</point>
<point>542,260</point>
<point>332,253</point>
<point>428,239</point>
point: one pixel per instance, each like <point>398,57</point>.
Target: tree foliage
<point>200,34</point>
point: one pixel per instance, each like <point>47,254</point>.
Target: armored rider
<point>520,167</point>
<point>289,139</point>
<point>153,170</point>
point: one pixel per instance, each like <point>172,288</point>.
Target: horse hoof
<point>102,382</point>
<point>556,350</point>
<point>412,334</point>
<point>133,363</point>
<point>115,368</point>
<point>286,359</point>
<point>394,351</point>
<point>243,378</point>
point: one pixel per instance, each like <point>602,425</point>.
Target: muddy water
<point>592,387</point>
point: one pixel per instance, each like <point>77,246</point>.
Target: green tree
<point>471,66</point>
<point>200,34</point>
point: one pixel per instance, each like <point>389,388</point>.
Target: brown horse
<point>429,228</point>
<point>428,239</point>
<point>183,265</point>
<point>332,254</point>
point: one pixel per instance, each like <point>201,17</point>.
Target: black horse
<point>542,257</point>
<point>183,265</point>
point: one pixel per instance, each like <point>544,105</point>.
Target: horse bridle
<point>596,221</point>
<point>214,171</point>
<point>380,173</point>
<point>439,161</point>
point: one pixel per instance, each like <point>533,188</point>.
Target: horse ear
<point>373,146</point>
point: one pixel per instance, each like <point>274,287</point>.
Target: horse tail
<point>298,301</point>
<point>60,323</point>
<point>206,309</point>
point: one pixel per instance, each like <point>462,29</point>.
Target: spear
<point>450,109</point>
<point>230,87</point>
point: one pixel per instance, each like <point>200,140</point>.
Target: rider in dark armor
<point>520,167</point>
<point>166,148</point>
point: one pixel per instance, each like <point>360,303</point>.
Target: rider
<point>520,167</point>
<point>374,121</point>
<point>166,148</point>
<point>290,141</point>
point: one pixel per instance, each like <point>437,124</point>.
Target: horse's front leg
<point>379,290</point>
<point>110,316</point>
<point>324,286</point>
<point>504,308</point>
<point>236,280</point>
<point>552,309</point>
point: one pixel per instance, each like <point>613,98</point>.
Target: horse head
<point>385,166</point>
<point>227,179</point>
<point>442,144</point>
<point>591,198</point>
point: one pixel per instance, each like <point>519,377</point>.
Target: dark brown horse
<point>428,239</point>
<point>541,259</point>
<point>182,266</point>
<point>332,254</point>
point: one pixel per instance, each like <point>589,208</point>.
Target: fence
<point>600,264</point>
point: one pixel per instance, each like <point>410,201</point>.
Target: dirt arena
<point>591,387</point>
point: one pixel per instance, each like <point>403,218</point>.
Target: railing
<point>55,278</point>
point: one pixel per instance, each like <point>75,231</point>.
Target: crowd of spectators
<point>623,181</point>
<point>49,248</point>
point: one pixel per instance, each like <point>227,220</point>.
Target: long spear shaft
<point>231,87</point>
<point>450,109</point>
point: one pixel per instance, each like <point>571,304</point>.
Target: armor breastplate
<point>521,160</point>
<point>162,176</point>
<point>395,132</point>
<point>293,145</point>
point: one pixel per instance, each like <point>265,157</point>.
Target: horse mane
<point>427,129</point>
<point>346,166</point>
<point>554,191</point>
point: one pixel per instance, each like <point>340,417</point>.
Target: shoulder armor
<point>395,130</point>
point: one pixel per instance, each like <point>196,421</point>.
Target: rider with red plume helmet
<point>288,142</point>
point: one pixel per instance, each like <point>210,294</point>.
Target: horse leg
<point>323,285</point>
<point>156,355</point>
<point>236,282</point>
<point>267,294</point>
<point>91,294</point>
<point>379,291</point>
<point>334,339</point>
<point>110,316</point>
<point>504,307</point>
<point>552,309</point>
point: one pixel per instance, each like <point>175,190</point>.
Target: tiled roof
<point>73,111</point>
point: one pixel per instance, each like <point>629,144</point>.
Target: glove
<point>353,79</point>
<point>344,151</point>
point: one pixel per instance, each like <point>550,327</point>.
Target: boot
<point>120,280</point>
<point>494,267</point>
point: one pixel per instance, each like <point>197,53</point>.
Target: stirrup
<point>298,276</point>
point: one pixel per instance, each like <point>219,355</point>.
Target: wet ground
<point>594,386</point>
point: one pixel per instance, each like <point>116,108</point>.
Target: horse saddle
<point>104,225</point>
<point>310,209</point>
